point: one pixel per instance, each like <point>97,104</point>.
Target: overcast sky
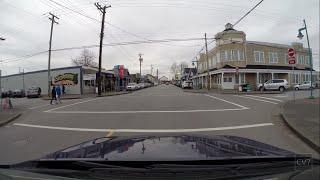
<point>26,27</point>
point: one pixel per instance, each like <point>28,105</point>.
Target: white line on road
<point>146,130</point>
<point>50,110</point>
<point>273,99</point>
<point>243,107</point>
<point>280,96</point>
<point>136,112</point>
<point>43,105</point>
<point>257,99</point>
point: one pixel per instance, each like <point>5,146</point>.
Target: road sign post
<point>292,61</point>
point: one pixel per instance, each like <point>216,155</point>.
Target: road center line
<point>243,107</point>
<point>146,130</point>
<point>262,97</point>
<point>136,112</point>
<point>257,99</point>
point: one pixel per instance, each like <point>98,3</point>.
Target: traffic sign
<point>291,52</point>
<point>292,61</point>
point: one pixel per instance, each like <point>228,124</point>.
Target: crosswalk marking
<point>257,99</point>
<point>273,99</point>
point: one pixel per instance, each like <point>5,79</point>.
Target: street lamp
<point>300,36</point>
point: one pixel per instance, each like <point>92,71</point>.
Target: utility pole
<point>151,69</point>
<point>157,74</point>
<point>103,11</point>
<point>140,60</point>
<point>208,74</point>
<point>53,20</point>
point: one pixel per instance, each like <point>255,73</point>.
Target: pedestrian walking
<point>53,95</point>
<point>58,92</point>
<point>63,89</point>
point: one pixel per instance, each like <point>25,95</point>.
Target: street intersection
<point>45,128</point>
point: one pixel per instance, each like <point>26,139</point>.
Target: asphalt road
<point>44,128</point>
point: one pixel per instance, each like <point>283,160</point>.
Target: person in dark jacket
<point>53,95</point>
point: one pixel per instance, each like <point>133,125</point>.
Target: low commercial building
<point>234,61</point>
<point>76,79</point>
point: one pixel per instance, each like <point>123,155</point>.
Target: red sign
<point>292,56</point>
<point>121,71</point>
<point>291,52</point>
<point>292,61</point>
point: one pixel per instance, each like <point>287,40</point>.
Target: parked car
<point>33,92</point>
<point>274,84</point>
<point>7,93</point>
<point>132,87</point>
<point>186,85</point>
<point>19,93</point>
<point>304,85</point>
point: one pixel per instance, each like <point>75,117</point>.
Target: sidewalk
<point>8,115</point>
<point>78,96</point>
<point>302,116</point>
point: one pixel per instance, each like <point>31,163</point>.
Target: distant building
<point>188,73</point>
<point>234,61</point>
<point>163,79</point>
<point>77,80</point>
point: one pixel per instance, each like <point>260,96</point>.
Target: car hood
<point>168,148</point>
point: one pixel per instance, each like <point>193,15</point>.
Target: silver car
<point>304,85</point>
<point>274,84</point>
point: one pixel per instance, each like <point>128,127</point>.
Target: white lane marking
<point>266,98</point>
<point>243,107</point>
<point>50,110</point>
<point>281,96</point>
<point>43,105</point>
<point>146,130</point>
<point>136,112</point>
<point>257,99</point>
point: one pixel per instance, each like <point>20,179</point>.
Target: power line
<point>248,13</point>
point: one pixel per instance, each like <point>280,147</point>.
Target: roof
<point>58,69</point>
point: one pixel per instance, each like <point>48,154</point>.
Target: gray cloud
<point>27,29</point>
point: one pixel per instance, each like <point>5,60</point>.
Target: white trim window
<point>307,60</point>
<point>214,60</point>
<point>223,56</point>
<point>258,56</point>
<point>241,55</point>
<point>300,59</point>
<point>273,57</point>
<point>234,55</point>
<point>218,57</point>
<point>229,56</point>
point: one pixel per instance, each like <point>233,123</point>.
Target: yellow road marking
<point>110,133</point>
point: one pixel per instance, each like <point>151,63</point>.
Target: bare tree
<point>176,69</point>
<point>86,58</point>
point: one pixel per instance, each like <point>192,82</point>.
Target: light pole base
<point>311,97</point>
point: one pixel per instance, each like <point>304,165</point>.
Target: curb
<point>116,94</point>
<point>302,137</point>
<point>10,119</point>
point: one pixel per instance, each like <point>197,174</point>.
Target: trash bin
<point>248,87</point>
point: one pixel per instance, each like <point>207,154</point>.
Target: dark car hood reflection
<point>159,148</point>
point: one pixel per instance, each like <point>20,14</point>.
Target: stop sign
<point>291,52</point>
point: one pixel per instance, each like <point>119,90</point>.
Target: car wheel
<point>297,89</point>
<point>281,89</point>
